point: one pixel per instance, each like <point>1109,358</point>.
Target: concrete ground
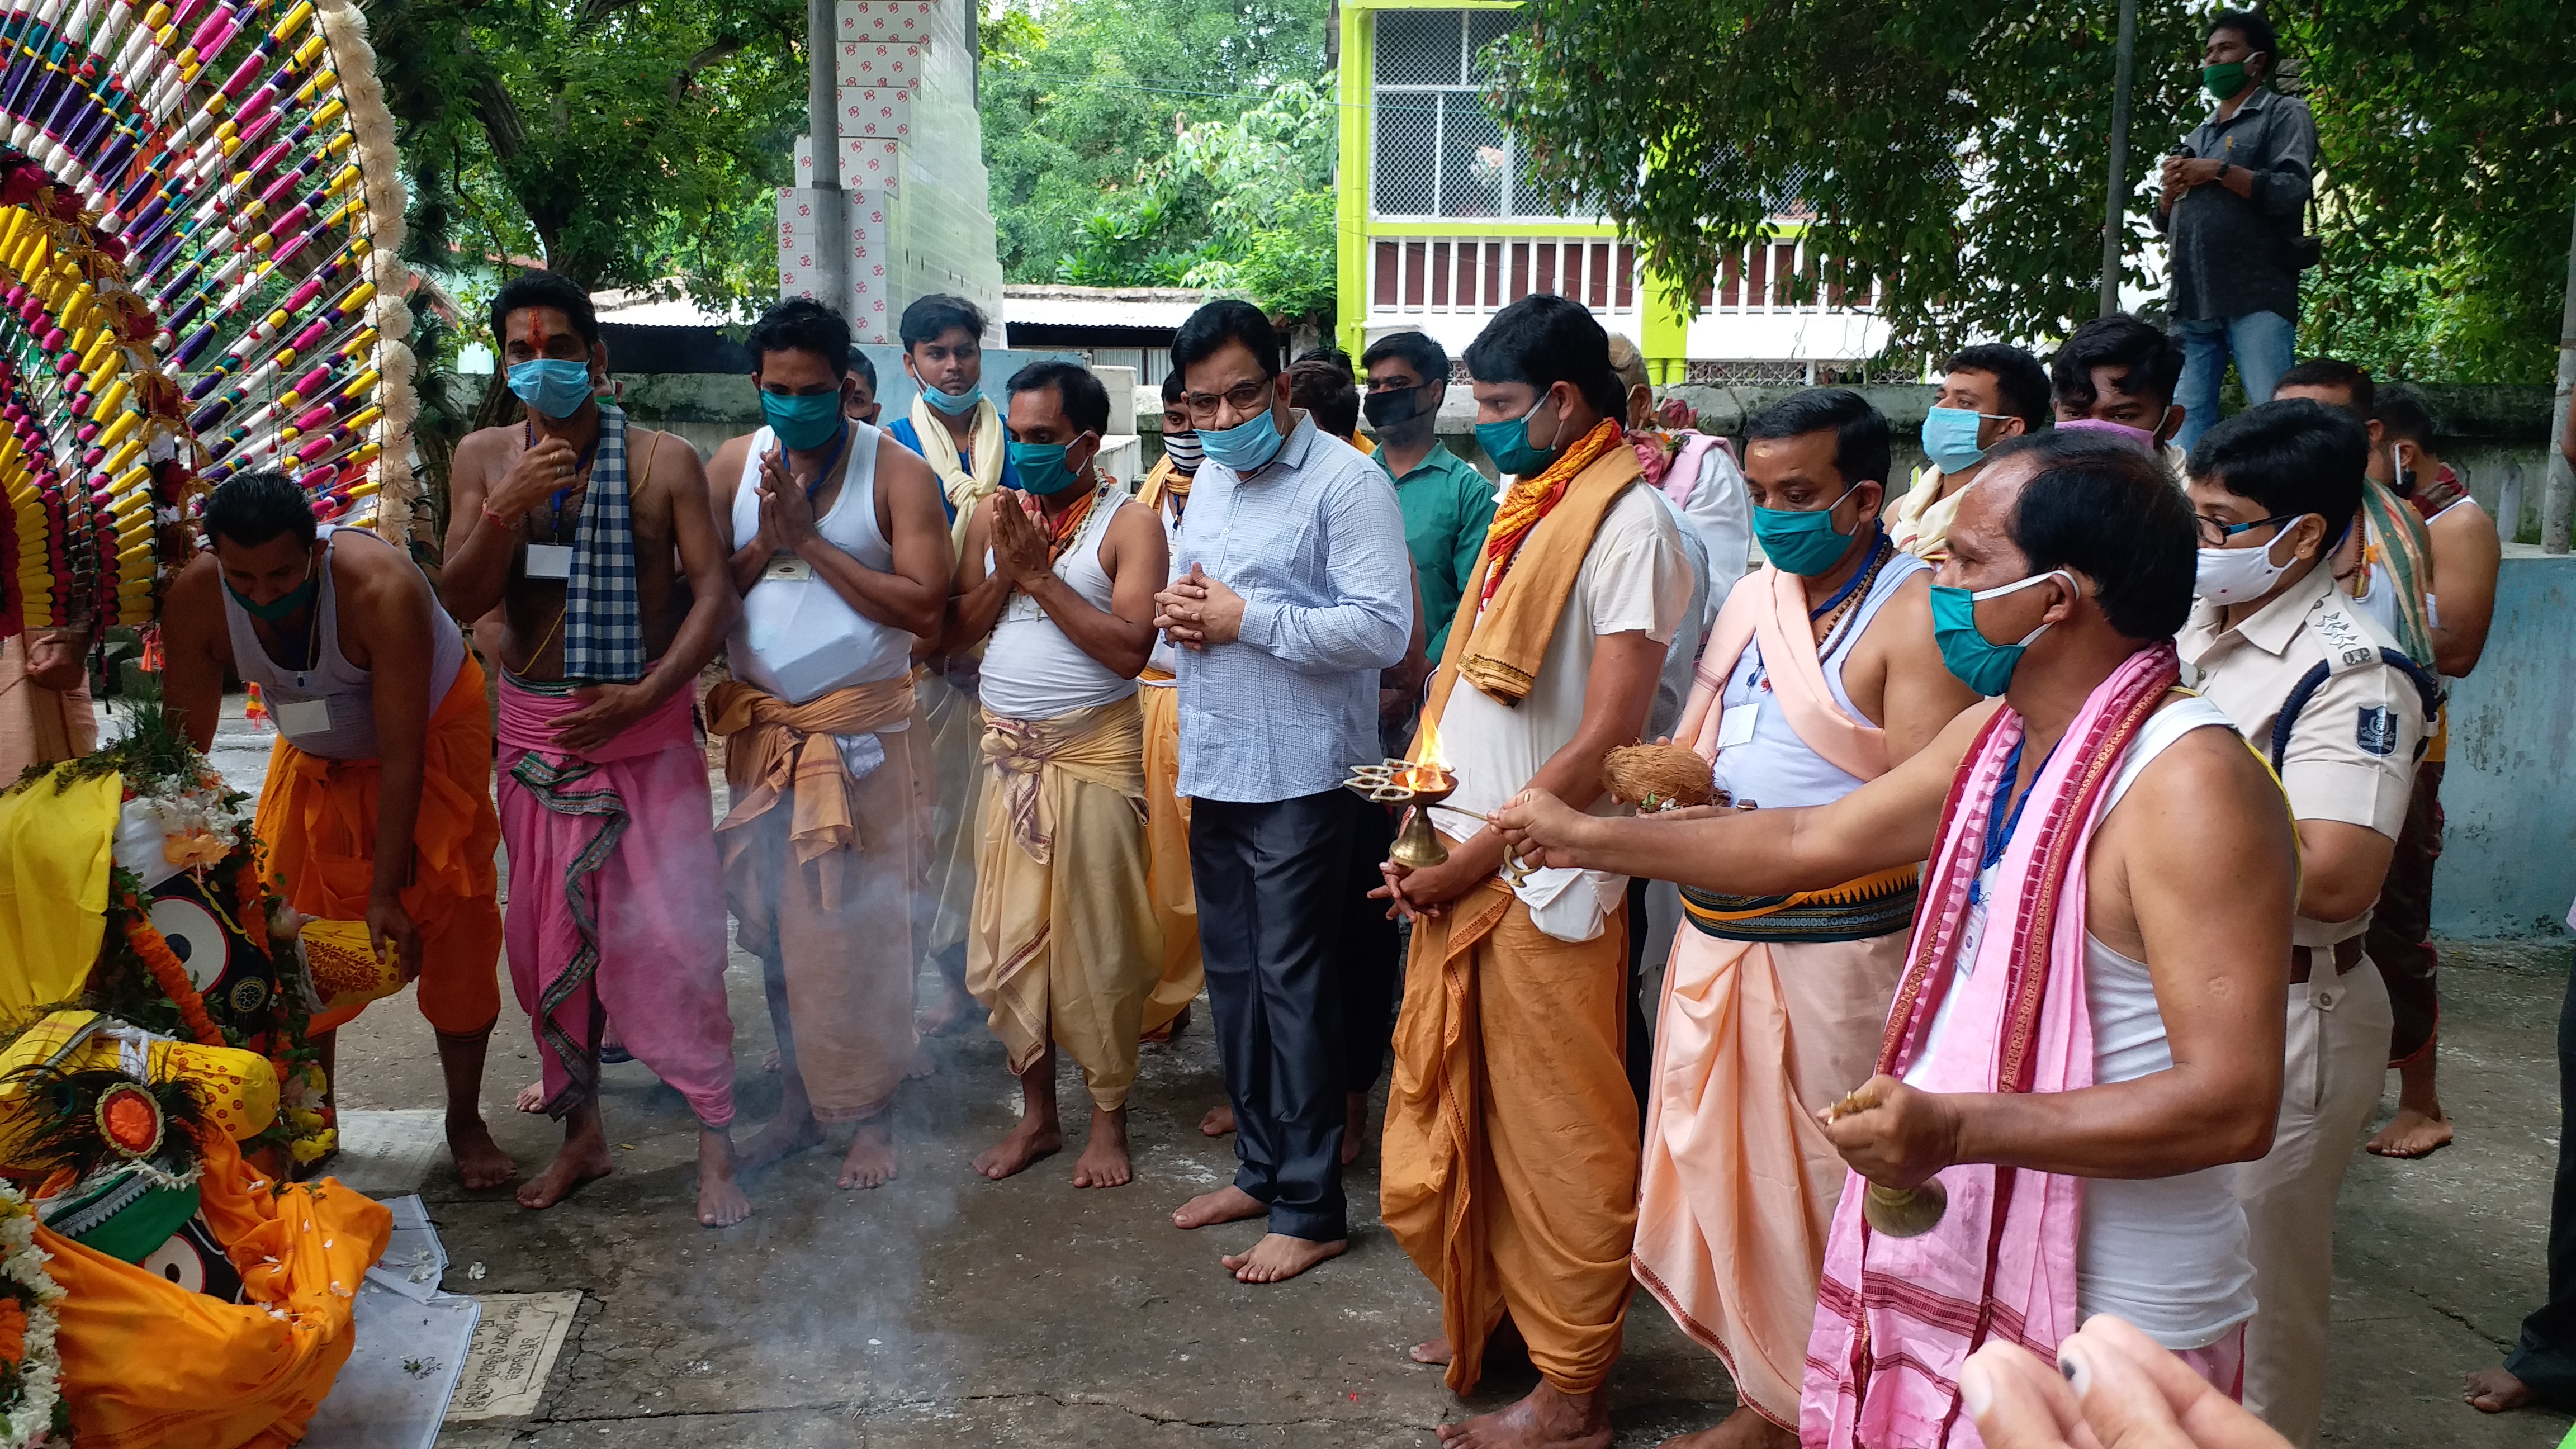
<point>943,1308</point>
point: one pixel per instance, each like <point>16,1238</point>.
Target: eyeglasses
<point>2216,532</point>
<point>1243,397</point>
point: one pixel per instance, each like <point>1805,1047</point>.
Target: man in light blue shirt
<point>1291,589</point>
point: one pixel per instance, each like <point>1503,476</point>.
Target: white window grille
<point>1439,152</point>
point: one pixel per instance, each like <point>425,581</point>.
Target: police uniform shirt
<point>2352,749</point>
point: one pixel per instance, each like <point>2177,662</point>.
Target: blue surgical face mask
<point>553,386</point>
<point>1247,446</point>
<point>1508,444</point>
<point>953,403</point>
<point>802,422</point>
<point>1802,541</point>
<point>1041,468</point>
<point>1950,438</point>
<point>1979,662</point>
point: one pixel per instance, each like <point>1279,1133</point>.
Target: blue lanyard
<point>840,440</point>
<point>1760,678</point>
<point>554,515</point>
<point>2000,826</point>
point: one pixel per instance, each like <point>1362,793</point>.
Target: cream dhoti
<point>616,905</point>
<point>1064,947</point>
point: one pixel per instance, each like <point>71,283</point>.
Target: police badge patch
<point>2377,731</point>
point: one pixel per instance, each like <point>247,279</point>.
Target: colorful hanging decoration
<point>200,210</point>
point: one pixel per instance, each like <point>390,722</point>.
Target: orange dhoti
<point>1739,1185</point>
<point>1510,1157</point>
<point>1167,862</point>
<point>148,1364</point>
<point>318,820</point>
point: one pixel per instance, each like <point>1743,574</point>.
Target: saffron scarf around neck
<point>1897,1317</point>
<point>1533,552</point>
<point>965,488</point>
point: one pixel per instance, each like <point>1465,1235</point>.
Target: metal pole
<point>2115,215</point>
<point>2556,499</point>
<point>823,123</point>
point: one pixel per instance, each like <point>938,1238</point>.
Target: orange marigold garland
<point>170,973</point>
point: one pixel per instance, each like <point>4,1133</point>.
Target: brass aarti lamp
<point>1417,788</point>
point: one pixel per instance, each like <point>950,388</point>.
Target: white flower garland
<point>30,1421</point>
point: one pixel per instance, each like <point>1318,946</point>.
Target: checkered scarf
<point>603,623</point>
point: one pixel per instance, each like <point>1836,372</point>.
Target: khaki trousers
<point>2337,1056</point>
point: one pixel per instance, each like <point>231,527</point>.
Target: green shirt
<point>1447,506</point>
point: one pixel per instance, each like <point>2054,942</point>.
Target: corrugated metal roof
<point>1056,306</point>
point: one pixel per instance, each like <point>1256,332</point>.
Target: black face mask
<point>1394,407</point>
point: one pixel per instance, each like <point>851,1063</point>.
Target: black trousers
<point>1272,881</point>
<point>1641,1043</point>
<point>2545,1359</point>
<point>1371,951</point>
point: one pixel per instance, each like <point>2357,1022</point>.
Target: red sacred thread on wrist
<point>493,518</point>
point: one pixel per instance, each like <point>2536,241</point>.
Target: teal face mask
<point>802,422</point>
<point>1802,541</point>
<point>551,385</point>
<point>1041,468</point>
<point>282,608</point>
<point>1979,662</point>
<point>953,403</point>
<point>1508,444</point>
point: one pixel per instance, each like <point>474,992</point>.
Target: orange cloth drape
<point>149,1365</point>
<point>317,818</point>
<point>1510,1156</point>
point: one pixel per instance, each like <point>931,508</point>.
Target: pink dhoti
<point>1739,1184</point>
<point>616,903</point>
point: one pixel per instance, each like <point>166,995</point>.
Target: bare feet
<point>2493,1391</point>
<point>2412,1134</point>
<point>1743,1429</point>
<point>721,1202</point>
<point>1547,1419</point>
<point>1033,1138</point>
<point>773,1061</point>
<point>1279,1257</point>
<point>788,1133</point>
<point>1104,1153</point>
<point>480,1162</point>
<point>532,1098</point>
<point>1228,1204</point>
<point>871,1162</point>
<point>951,1011</point>
<point>1436,1353</point>
<point>923,1064</point>
<point>584,1158</point>
<point>1354,1126</point>
<point>1217,1123</point>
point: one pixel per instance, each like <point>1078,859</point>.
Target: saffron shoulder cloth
<point>1896,1317</point>
<point>1771,606</point>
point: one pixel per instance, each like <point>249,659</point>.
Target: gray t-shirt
<point>2232,254</point>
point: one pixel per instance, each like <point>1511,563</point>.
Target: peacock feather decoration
<point>200,210</point>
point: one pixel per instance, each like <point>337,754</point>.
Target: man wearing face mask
<point>958,429</point>
<point>581,528</point>
<point>1290,593</point>
<point>1821,675</point>
<point>1063,947</point>
<point>1512,1184</point>
<point>838,548</point>
<point>2115,376</point>
<point>2321,689</point>
<point>2231,201</point>
<point>1166,491</point>
<point>1447,503</point>
<point>1988,393</point>
<point>862,405</point>
<point>2067,1066</point>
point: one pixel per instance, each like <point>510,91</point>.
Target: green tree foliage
<point>2449,134</point>
<point>620,141</point>
<point>1100,118</point>
<point>1955,150</point>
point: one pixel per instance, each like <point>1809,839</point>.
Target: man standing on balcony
<point>2231,205</point>
<point>1290,592</point>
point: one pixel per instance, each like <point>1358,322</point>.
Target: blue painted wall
<point>2508,863</point>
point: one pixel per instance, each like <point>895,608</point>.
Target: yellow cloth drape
<point>965,487</point>
<point>1510,1156</point>
<point>1167,864</point>
<point>1066,950</point>
<point>1539,537</point>
<point>776,751</point>
<point>55,849</point>
<point>148,1364</point>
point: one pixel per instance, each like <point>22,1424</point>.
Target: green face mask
<point>2223,81</point>
<point>285,606</point>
